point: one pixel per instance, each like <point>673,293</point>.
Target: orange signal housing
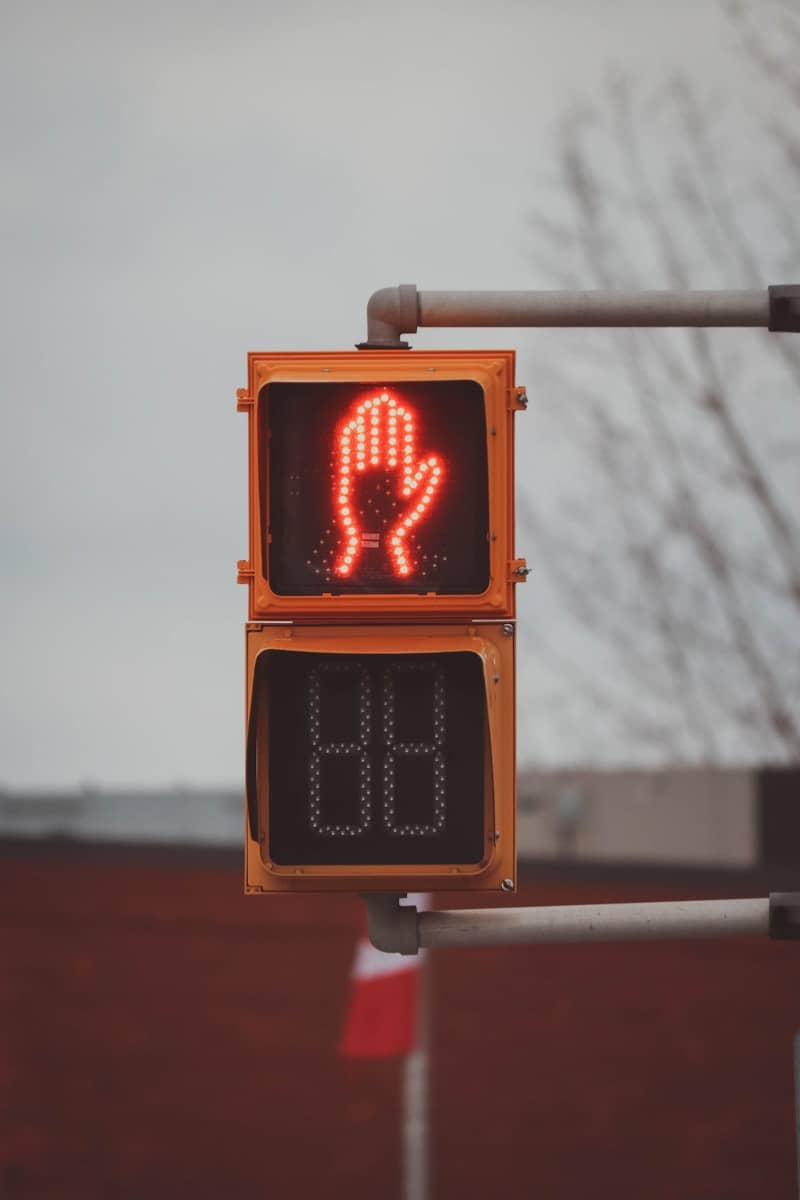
<point>494,645</point>
<point>493,372</point>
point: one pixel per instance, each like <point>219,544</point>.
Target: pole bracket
<point>784,916</point>
<point>784,308</point>
<point>390,312</point>
<point>392,927</point>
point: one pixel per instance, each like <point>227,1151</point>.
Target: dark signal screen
<point>376,489</point>
<point>374,758</point>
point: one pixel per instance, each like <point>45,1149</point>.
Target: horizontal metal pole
<point>594,308</point>
<point>400,929</point>
<point>595,923</point>
<point>394,311</point>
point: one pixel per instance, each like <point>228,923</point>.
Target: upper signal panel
<point>381,483</point>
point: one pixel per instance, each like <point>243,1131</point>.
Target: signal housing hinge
<point>517,400</point>
<point>518,570</point>
<point>244,400</point>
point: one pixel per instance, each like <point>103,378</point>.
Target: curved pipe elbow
<point>391,311</point>
<point>392,927</point>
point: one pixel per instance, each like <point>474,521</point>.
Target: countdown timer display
<point>375,758</point>
<point>376,488</point>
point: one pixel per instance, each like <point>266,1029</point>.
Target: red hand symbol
<point>380,433</point>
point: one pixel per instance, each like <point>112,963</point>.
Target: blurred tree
<point>674,549</point>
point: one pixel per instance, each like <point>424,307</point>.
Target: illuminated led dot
<point>392,462</point>
<point>406,491</point>
<point>348,558</point>
<point>415,516</point>
<point>401,532</point>
<point>404,570</point>
<point>368,404</point>
<point>407,437</point>
<point>395,541</point>
<point>407,522</point>
<point>344,569</point>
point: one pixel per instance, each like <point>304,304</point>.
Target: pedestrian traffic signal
<point>382,481</point>
<point>380,649</point>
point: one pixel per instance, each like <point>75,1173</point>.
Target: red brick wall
<point>164,1036</point>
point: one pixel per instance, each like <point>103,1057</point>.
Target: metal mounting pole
<point>394,311</point>
<point>400,929</point>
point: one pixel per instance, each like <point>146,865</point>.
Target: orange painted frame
<point>496,650</point>
<point>493,370</point>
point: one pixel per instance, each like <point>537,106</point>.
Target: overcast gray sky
<point>183,183</point>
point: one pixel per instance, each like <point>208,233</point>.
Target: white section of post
<point>416,1166</point>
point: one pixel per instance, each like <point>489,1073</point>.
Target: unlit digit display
<point>376,489</point>
<point>381,758</point>
<point>358,750</point>
<point>432,748</point>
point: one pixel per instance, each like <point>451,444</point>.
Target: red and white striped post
<point>387,1015</point>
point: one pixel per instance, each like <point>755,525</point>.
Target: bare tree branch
<point>695,589</point>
